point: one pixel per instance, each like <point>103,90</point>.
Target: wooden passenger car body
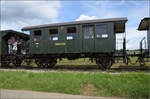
<point>78,37</point>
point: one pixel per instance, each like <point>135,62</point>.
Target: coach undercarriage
<point>103,60</point>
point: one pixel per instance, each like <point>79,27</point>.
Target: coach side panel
<point>148,39</point>
<point>104,37</point>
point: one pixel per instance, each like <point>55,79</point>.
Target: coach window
<point>71,33</point>
<point>53,34</point>
<point>37,35</point>
<point>101,31</point>
<point>88,32</point>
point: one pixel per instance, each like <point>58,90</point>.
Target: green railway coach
<point>90,38</point>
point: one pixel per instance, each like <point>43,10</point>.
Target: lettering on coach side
<point>60,43</point>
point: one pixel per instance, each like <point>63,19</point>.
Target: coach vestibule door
<point>88,38</point>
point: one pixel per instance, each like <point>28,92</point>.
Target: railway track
<point>79,68</point>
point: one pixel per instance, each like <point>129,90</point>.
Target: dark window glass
<point>37,35</point>
<point>38,32</point>
<point>53,34</point>
<point>71,30</point>
<point>53,31</point>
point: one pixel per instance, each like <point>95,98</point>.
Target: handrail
<point>141,45</point>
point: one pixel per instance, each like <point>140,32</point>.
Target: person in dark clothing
<point>19,47</point>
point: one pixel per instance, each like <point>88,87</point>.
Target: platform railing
<point>120,53</point>
<point>143,45</point>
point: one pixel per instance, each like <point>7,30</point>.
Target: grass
<point>133,85</point>
<point>80,61</point>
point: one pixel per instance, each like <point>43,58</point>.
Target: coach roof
<point>14,32</point>
<point>124,19</point>
<point>144,24</point>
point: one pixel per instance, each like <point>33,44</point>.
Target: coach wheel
<point>45,64</point>
<point>4,64</point>
<point>41,63</point>
<point>38,63</point>
<point>17,62</point>
<point>52,63</point>
<point>104,63</point>
<point>28,62</point>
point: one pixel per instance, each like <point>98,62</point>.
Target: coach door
<point>72,39</point>
<point>88,38</point>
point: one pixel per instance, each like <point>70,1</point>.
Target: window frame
<point>88,25</point>
<point>72,34</point>
<point>36,36</point>
<point>53,34</point>
<point>101,34</point>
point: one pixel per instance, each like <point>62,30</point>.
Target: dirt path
<point>68,71</point>
<point>21,94</point>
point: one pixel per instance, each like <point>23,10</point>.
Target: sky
<point>17,14</point>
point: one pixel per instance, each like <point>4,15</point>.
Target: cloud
<point>85,17</point>
<point>134,37</point>
<point>16,14</point>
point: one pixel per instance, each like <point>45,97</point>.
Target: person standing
<point>15,47</point>
<point>9,46</point>
<point>18,47</point>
